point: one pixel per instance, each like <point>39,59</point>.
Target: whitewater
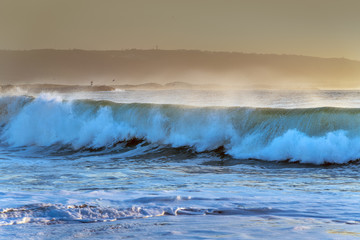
<point>180,164</point>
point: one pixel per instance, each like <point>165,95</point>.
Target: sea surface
<point>180,164</point>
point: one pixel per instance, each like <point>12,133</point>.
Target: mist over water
<point>153,163</point>
<point>228,98</point>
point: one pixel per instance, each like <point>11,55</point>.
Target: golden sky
<point>325,28</point>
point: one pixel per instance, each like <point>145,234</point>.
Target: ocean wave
<point>312,135</point>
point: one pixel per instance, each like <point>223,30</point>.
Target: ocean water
<point>180,164</point>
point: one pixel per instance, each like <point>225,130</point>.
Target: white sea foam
<point>119,90</point>
<point>334,147</point>
<point>305,135</point>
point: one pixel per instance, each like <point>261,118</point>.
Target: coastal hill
<point>134,67</point>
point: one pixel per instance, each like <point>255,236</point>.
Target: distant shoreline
<point>37,88</point>
<point>154,69</point>
<point>62,88</point>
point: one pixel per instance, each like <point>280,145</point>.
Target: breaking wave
<point>311,135</point>
<point>47,213</point>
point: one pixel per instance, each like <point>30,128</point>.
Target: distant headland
<point>62,88</point>
<point>94,70</point>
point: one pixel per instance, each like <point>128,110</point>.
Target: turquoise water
<point>90,169</point>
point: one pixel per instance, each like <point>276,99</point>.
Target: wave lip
<point>314,135</point>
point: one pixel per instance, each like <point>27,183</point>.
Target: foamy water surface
<point>180,164</point>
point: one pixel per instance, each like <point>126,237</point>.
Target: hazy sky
<point>326,28</point>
